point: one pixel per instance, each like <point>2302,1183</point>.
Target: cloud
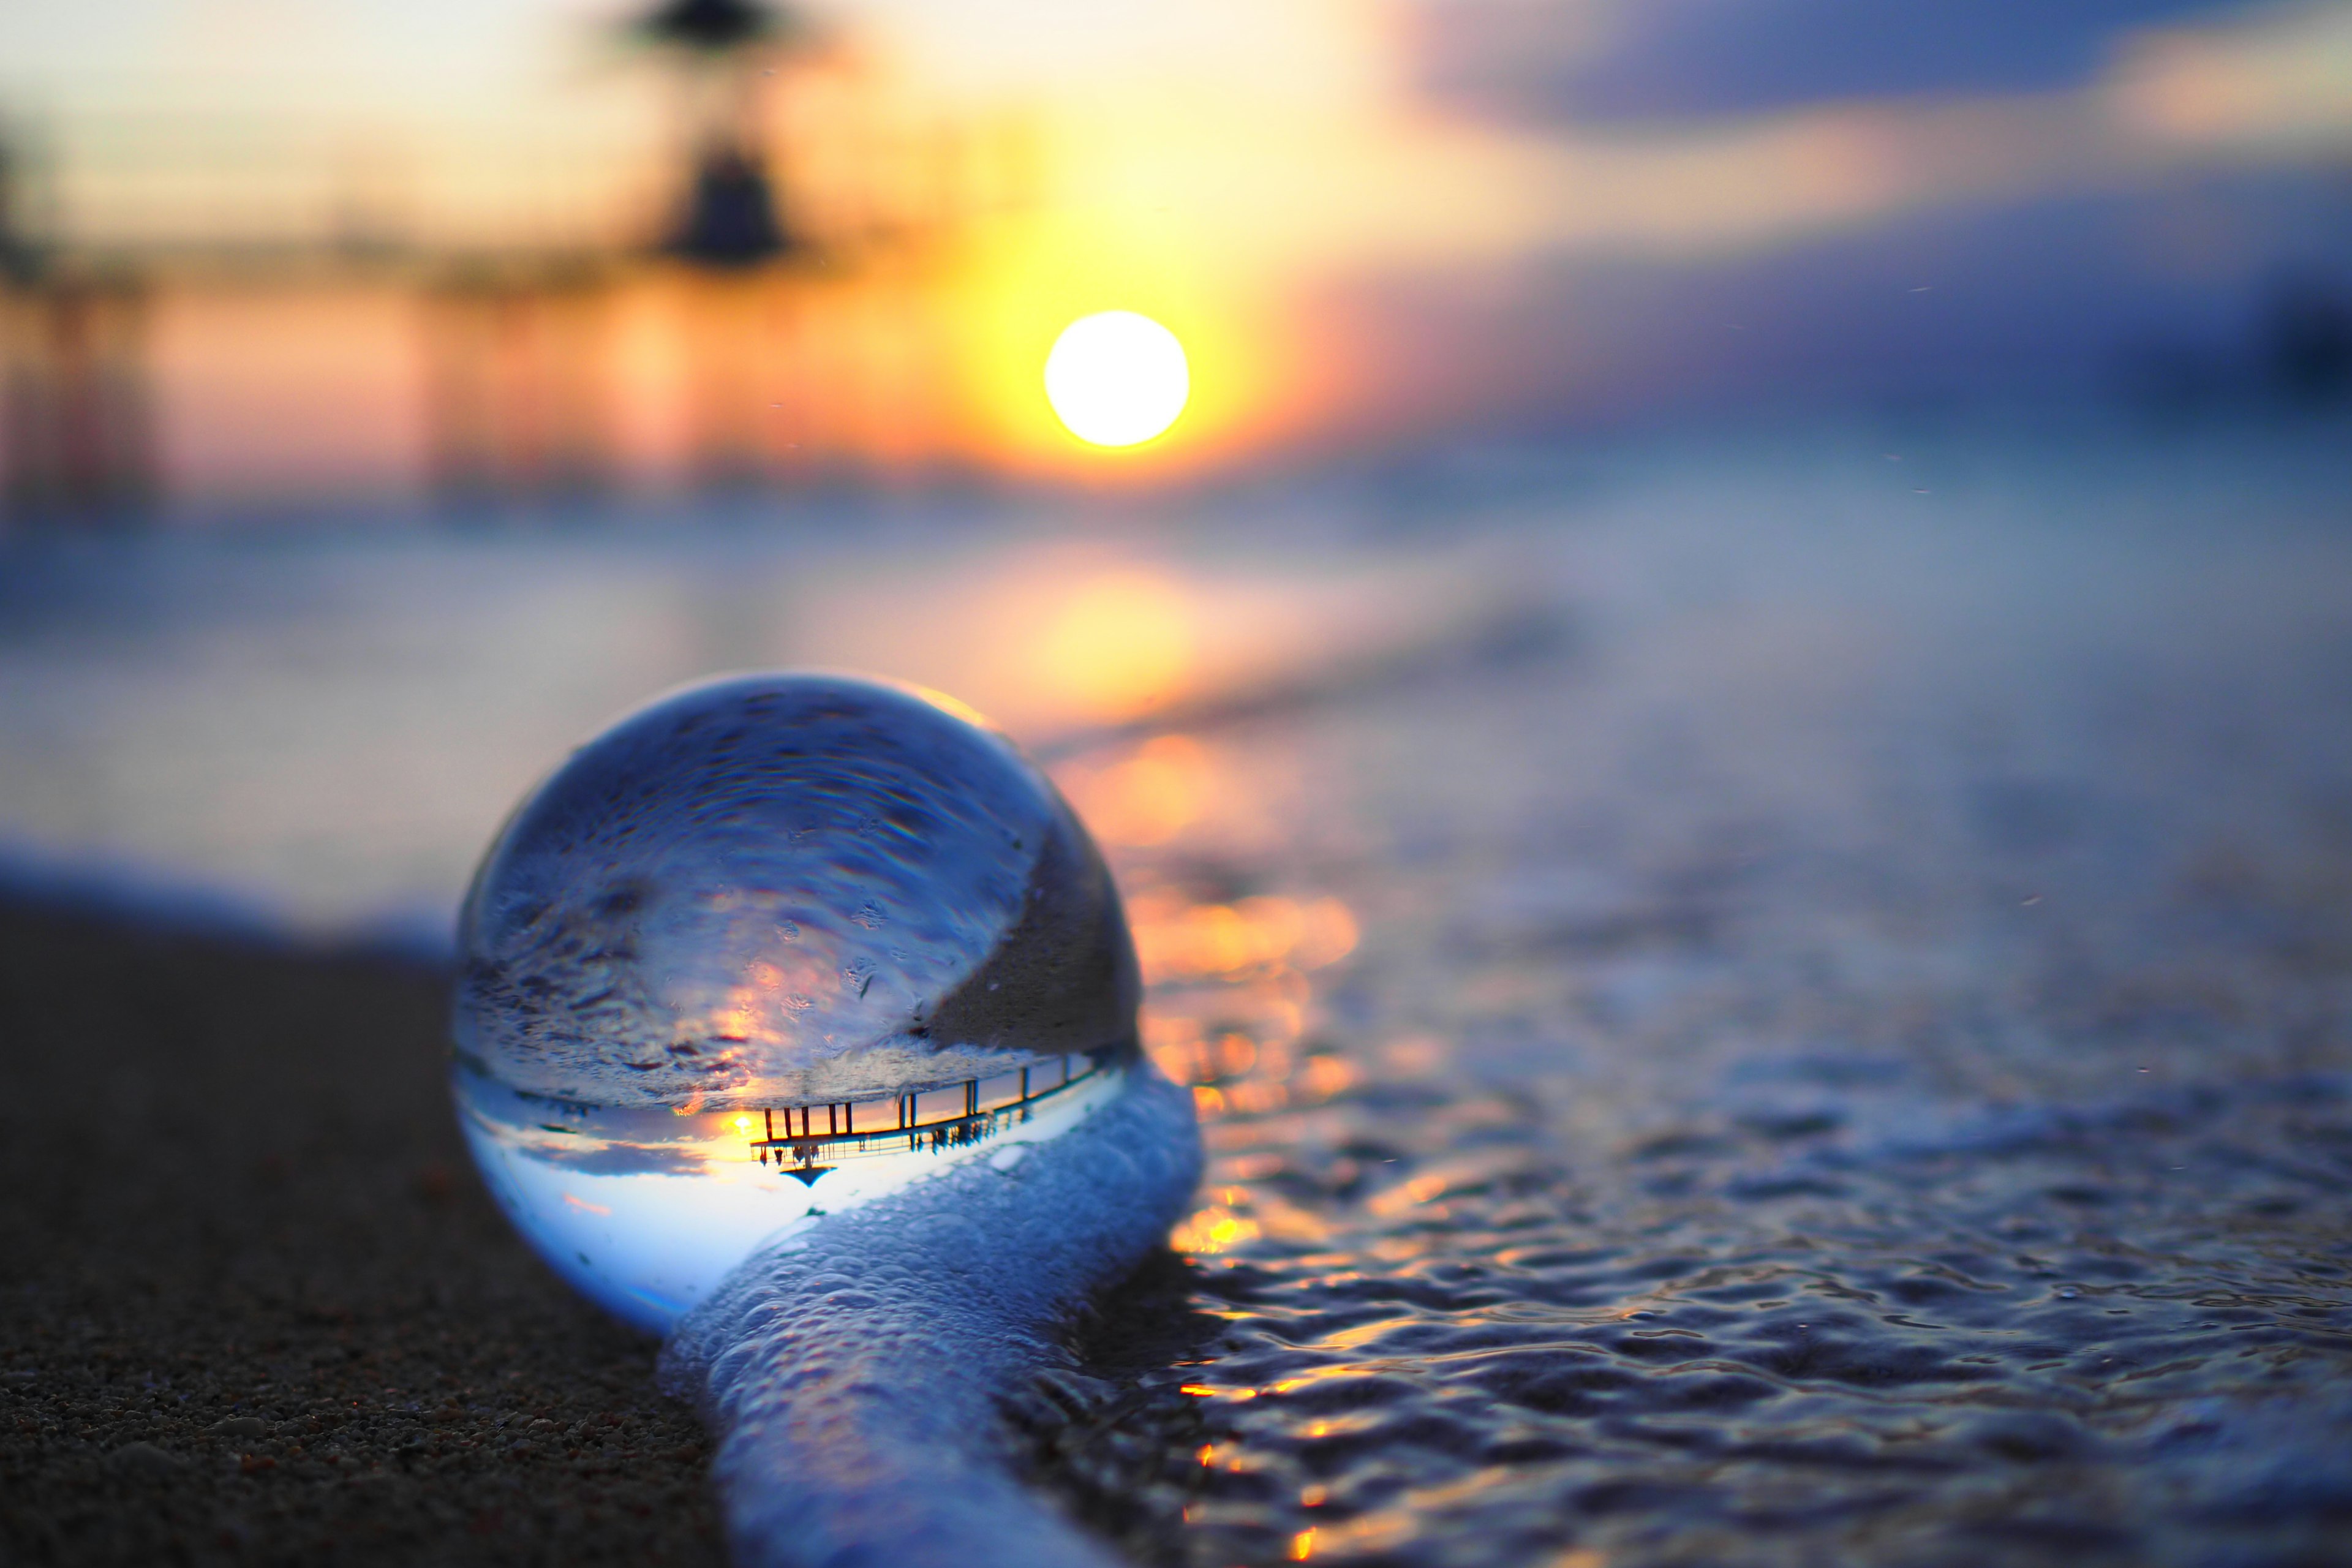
<point>1599,61</point>
<point>2053,293</point>
<point>2262,90</point>
<point>2281,85</point>
<point>614,1158</point>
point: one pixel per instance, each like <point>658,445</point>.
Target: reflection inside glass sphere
<point>645,1209</point>
<point>775,947</point>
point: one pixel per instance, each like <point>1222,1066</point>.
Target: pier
<point>808,1139</point>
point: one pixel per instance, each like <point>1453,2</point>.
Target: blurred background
<point>263,254</point>
<point>393,392</point>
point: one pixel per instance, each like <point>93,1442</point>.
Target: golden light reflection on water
<point>1211,1230</point>
<point>1179,940</point>
<point>1146,799</point>
<point>1119,644</point>
<point>1059,637</point>
<point>1231,1005</point>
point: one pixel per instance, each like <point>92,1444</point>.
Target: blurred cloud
<point>1586,61</point>
<point>2270,85</point>
<point>2281,83</point>
<point>2048,295</point>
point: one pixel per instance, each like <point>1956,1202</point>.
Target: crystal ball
<point>773,946</point>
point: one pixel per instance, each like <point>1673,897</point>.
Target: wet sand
<point>256,1308</point>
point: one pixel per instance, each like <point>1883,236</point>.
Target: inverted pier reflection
<point>646,1209</point>
<point>936,1118</point>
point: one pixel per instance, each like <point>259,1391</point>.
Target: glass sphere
<point>771,947</point>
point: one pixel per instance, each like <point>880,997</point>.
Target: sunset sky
<point>1360,217</point>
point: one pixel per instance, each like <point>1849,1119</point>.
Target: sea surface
<point>1777,999</point>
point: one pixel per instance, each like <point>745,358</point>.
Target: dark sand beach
<point>257,1308</point>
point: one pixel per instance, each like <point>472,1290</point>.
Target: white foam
<point>852,1375</point>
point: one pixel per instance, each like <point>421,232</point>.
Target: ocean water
<point>1847,1059</point>
<point>1763,1001</point>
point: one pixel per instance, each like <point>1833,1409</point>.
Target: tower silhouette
<point>729,216</point>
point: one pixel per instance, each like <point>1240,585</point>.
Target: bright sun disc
<point>1117,378</point>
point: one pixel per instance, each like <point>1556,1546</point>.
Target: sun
<point>1117,378</point>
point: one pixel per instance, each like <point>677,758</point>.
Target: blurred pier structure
<point>75,428</point>
<point>517,393</point>
<point>192,305</point>
<point>79,433</point>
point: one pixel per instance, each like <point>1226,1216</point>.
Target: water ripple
<point>1726,1154</point>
